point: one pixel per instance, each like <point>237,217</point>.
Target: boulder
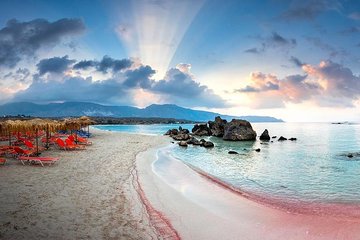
<point>181,137</point>
<point>282,138</point>
<point>217,127</point>
<point>208,144</point>
<point>265,135</point>
<point>193,141</point>
<point>201,130</point>
<point>183,144</point>
<point>257,150</point>
<point>233,152</point>
<point>239,130</point>
<point>350,155</point>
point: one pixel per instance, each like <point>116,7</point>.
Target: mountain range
<point>75,109</point>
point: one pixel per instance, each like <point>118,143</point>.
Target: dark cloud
<point>74,89</point>
<point>116,65</point>
<point>140,77</point>
<point>21,75</point>
<point>107,63</point>
<point>54,65</point>
<point>254,50</point>
<point>274,41</point>
<point>23,39</point>
<point>296,61</point>
<point>85,64</point>
<point>309,9</point>
<point>177,87</point>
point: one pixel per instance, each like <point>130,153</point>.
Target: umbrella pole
<point>88,131</point>
<point>37,143</point>
<point>9,138</point>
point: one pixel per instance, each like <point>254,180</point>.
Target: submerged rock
<point>292,139</point>
<point>208,144</point>
<point>282,138</point>
<point>265,135</point>
<point>193,141</point>
<point>274,137</point>
<point>239,130</point>
<point>232,152</point>
<point>257,150</point>
<point>350,155</point>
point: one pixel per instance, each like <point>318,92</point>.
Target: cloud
<point>23,39</point>
<point>355,15</point>
<point>54,65</point>
<point>329,84</point>
<point>296,61</point>
<point>309,9</point>
<point>178,86</point>
<point>274,41</point>
<point>107,63</point>
<point>332,51</point>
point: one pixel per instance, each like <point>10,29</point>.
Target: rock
<point>183,144</point>
<point>265,135</point>
<point>217,127</point>
<point>282,138</point>
<point>168,132</point>
<point>292,139</point>
<point>239,130</point>
<point>274,137</point>
<point>181,137</point>
<point>193,141</point>
<point>350,155</point>
<point>201,130</point>
<point>202,141</point>
<point>208,144</point>
<point>257,150</point>
<point>233,152</point>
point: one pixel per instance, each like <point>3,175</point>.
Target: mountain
<point>92,109</point>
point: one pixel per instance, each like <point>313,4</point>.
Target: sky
<point>298,60</point>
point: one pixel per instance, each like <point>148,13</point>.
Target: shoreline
<point>192,201</point>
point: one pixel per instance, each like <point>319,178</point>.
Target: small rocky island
<point>235,130</point>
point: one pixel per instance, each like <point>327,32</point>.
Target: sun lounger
<point>41,160</point>
<point>2,161</point>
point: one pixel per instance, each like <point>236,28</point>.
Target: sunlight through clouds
<point>152,29</point>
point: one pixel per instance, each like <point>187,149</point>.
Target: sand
<point>86,195</point>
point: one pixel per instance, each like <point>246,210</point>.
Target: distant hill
<point>92,109</point>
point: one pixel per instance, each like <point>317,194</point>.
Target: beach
<point>85,195</point>
<point>123,187</point>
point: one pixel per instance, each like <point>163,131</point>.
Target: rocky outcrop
<point>217,127</point>
<point>282,138</point>
<point>239,130</point>
<point>179,135</point>
<point>265,136</point>
<point>201,130</point>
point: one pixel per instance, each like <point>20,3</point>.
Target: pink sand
<point>198,208</point>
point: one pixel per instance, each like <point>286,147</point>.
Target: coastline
<point>192,201</point>
<point>86,195</point>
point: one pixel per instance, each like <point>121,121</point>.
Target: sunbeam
<point>153,29</point>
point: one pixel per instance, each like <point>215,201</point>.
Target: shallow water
<point>315,168</point>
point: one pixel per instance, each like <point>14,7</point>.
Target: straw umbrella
<point>86,122</point>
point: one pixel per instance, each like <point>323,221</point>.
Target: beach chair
<point>40,160</point>
<point>22,152</point>
<point>31,146</point>
<point>2,161</point>
<point>80,140</point>
<point>71,144</point>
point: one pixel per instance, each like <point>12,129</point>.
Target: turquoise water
<point>314,168</point>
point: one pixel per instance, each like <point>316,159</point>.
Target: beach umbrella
<point>86,122</point>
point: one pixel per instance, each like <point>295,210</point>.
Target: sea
<point>316,168</point>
